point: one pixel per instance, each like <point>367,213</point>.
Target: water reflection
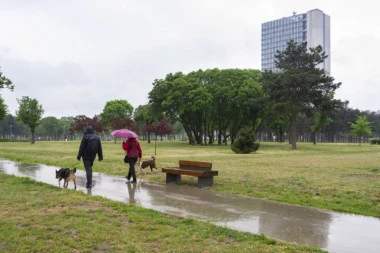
<point>132,187</point>
<point>331,231</point>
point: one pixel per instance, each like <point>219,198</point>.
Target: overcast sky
<point>75,55</point>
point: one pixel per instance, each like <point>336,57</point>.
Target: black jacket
<point>83,153</point>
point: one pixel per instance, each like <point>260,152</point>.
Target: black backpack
<point>92,145</point>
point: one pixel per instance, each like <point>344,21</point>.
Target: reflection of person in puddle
<point>89,191</point>
<point>131,192</point>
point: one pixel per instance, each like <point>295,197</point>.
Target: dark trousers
<point>132,172</point>
<point>88,166</point>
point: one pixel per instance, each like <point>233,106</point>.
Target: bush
<point>375,141</point>
<point>245,143</point>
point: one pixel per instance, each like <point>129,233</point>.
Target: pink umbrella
<point>124,133</point>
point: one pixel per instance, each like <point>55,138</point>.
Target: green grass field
<point>40,218</point>
<point>340,177</point>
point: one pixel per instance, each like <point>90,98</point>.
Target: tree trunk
<point>313,136</point>
<point>149,137</point>
<point>219,137</point>
<point>33,138</point>
<point>293,130</point>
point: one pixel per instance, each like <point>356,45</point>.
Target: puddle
<point>334,232</point>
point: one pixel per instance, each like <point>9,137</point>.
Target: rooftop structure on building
<point>312,27</point>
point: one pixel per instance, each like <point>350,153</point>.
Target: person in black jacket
<point>89,147</point>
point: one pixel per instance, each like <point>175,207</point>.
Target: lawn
<point>339,177</point>
<point>35,217</point>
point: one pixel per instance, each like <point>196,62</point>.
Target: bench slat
<point>196,173</point>
<point>195,164</point>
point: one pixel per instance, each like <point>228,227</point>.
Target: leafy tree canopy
<point>361,128</point>
<point>4,83</point>
<point>210,101</point>
<point>50,127</point>
<point>3,109</point>
<point>116,109</point>
<point>82,121</point>
<point>30,113</point>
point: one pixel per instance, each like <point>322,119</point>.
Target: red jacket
<point>132,148</point>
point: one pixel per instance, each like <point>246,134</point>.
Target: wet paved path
<point>330,231</point>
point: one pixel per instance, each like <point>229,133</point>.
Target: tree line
<point>213,106</point>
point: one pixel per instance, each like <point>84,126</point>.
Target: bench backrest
<point>194,165</point>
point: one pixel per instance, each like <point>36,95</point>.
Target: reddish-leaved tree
<point>82,121</point>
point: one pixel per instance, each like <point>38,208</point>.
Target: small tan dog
<point>149,163</point>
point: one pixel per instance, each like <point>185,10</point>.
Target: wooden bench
<point>202,170</point>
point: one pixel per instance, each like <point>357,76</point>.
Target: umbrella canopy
<point>124,133</point>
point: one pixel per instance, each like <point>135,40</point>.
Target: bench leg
<point>172,178</point>
<point>205,181</point>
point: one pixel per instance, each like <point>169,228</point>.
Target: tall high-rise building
<point>312,27</point>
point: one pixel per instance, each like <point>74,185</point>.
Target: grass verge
<point>35,217</point>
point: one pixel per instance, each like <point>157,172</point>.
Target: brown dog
<point>66,174</point>
<point>148,163</point>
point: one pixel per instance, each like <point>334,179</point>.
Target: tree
<point>66,123</point>
<point>320,121</point>
<point>145,116</point>
<point>245,142</point>
<point>339,128</point>
<point>183,100</point>
<point>123,123</point>
<point>81,122</point>
<point>163,128</point>
<point>178,130</point>
<point>327,109</point>
<point>212,102</point>
<point>50,127</point>
<point>30,113</point>
<point>3,109</point>
<point>301,87</point>
<point>235,101</point>
<point>361,128</point>
<point>4,83</point>
<point>116,109</point>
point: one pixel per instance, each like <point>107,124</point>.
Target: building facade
<point>312,27</point>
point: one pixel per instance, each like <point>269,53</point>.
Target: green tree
<point>327,109</point>
<point>300,87</point>
<point>4,83</point>
<point>147,115</point>
<point>211,102</point>
<point>361,128</point>
<point>339,128</point>
<point>66,122</point>
<point>3,109</point>
<point>245,142</point>
<point>235,101</point>
<point>183,100</point>
<point>116,109</point>
<point>30,113</point>
<point>50,127</point>
<point>321,120</point>
<point>178,130</point>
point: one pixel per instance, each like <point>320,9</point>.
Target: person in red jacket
<point>133,150</point>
